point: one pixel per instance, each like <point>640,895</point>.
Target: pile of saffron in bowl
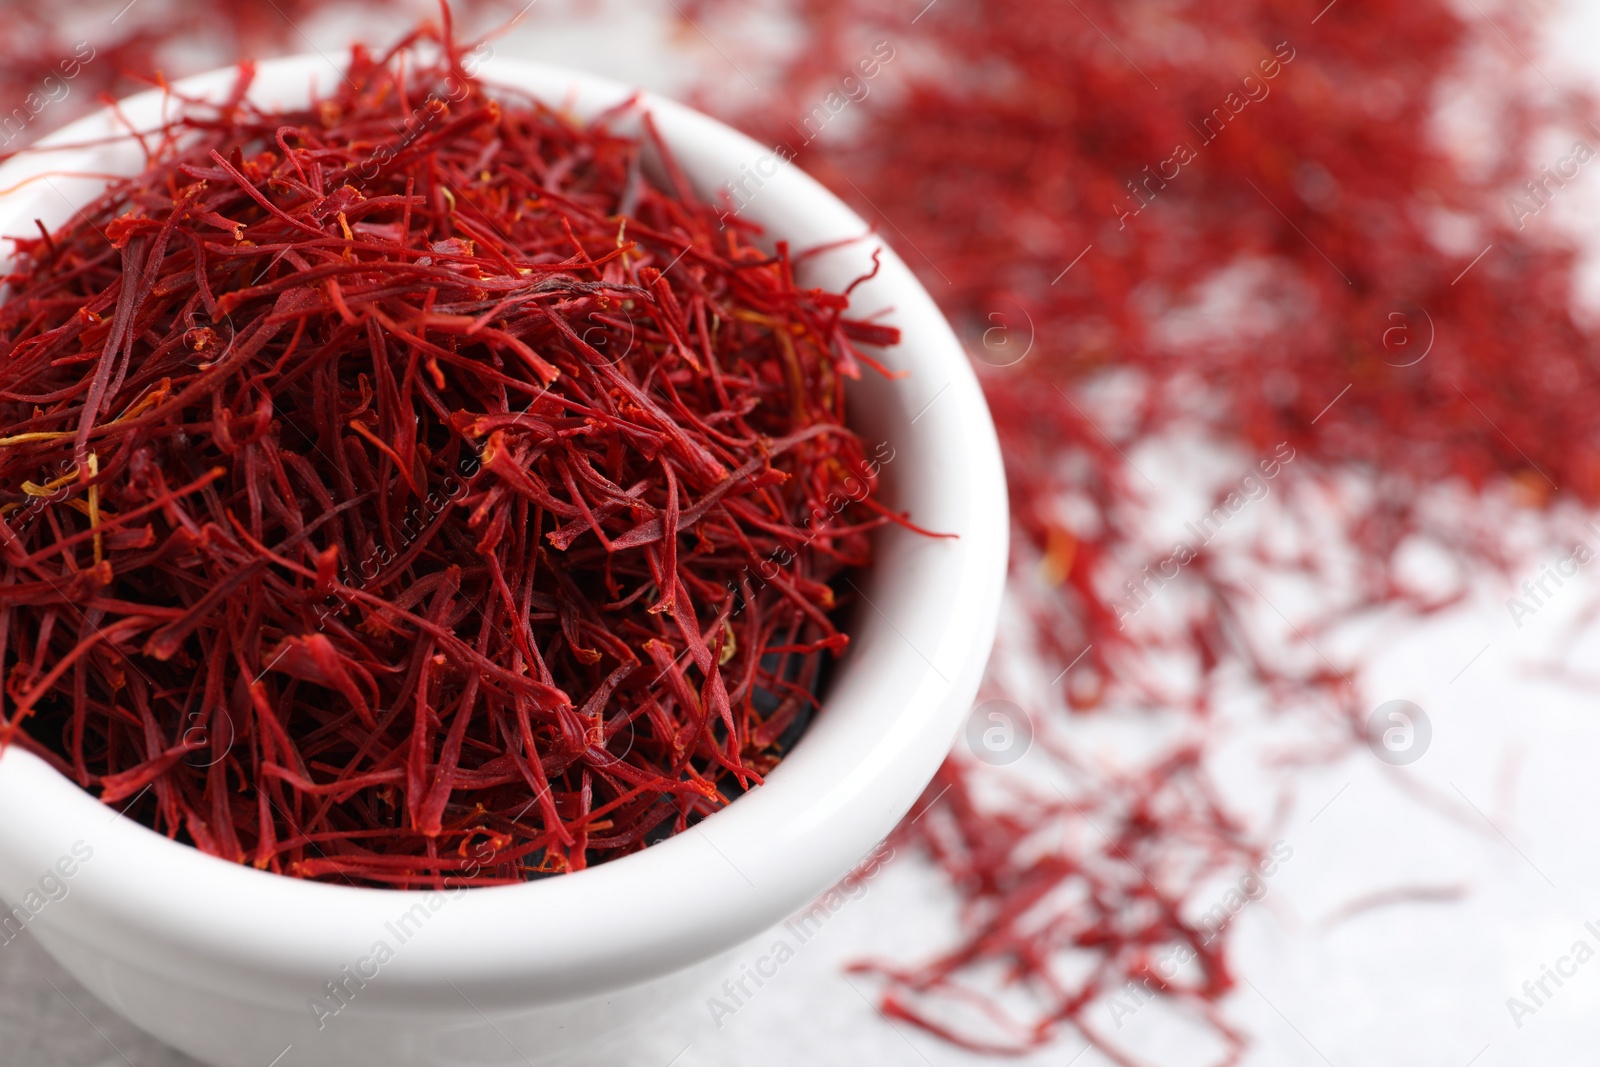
<point>419,488</point>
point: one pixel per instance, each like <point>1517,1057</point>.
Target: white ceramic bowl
<point>224,961</point>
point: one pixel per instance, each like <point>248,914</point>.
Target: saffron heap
<point>1269,227</point>
<point>407,490</point>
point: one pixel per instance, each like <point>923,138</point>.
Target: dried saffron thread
<point>464,518</point>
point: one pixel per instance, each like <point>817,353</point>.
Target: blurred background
<point>1287,314</point>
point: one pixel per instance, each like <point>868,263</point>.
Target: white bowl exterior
<point>148,920</point>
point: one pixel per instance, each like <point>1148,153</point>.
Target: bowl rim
<point>882,732</point>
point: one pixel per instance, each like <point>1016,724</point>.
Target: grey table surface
<point>48,1020</point>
